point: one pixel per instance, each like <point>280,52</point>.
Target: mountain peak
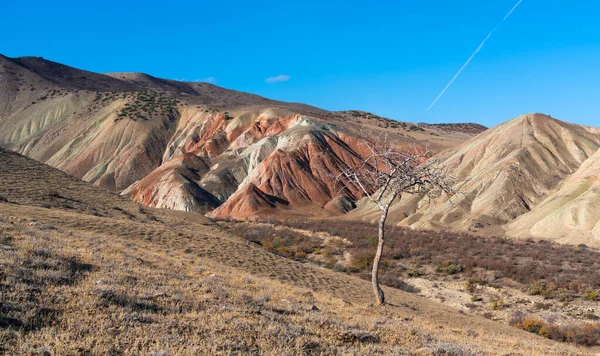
<point>533,118</point>
<point>506,172</point>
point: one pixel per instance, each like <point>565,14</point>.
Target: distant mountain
<point>190,146</point>
<point>468,127</point>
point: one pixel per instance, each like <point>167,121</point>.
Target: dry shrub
<point>587,334</point>
<point>360,260</point>
<point>549,291</point>
<point>593,296</point>
<point>551,331</point>
<point>497,303</point>
<point>531,325</point>
<point>555,271</point>
<point>450,267</point>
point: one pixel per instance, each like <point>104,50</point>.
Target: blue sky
<point>389,57</point>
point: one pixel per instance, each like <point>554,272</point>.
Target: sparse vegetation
<point>450,267</point>
<point>467,127</point>
<point>587,334</point>
<point>554,271</point>
<point>497,303</point>
<point>472,258</point>
<point>144,105</point>
<point>46,288</point>
<point>383,122</point>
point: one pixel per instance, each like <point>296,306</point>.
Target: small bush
<point>415,128</point>
<point>300,255</point>
<point>267,244</point>
<point>587,334</point>
<point>450,267</point>
<point>283,251</point>
<point>549,291</point>
<point>530,324</point>
<point>360,260</point>
<point>497,303</point>
<point>339,268</point>
<point>373,240</point>
<point>552,331</point>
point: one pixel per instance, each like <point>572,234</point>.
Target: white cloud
<point>279,78</point>
<point>211,80</point>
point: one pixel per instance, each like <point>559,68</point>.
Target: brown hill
<point>26,182</point>
<point>187,146</point>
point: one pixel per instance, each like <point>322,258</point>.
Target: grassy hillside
<point>501,279</point>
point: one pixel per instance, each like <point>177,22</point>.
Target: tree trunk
<point>375,273</point>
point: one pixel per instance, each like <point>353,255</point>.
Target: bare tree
<point>386,172</point>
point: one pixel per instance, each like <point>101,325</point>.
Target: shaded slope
<point>571,214</point>
<point>68,77</point>
<point>24,181</point>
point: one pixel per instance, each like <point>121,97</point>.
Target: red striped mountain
<point>190,146</point>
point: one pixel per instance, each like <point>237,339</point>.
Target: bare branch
<point>389,171</point>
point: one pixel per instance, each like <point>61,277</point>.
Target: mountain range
<point>533,176</point>
<point>201,148</point>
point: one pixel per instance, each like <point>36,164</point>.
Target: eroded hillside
<point>201,148</point>
<point>517,169</point>
<point>189,146</point>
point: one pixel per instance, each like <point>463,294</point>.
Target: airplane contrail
<point>475,53</point>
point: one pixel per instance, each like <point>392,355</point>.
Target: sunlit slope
<point>503,173</point>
